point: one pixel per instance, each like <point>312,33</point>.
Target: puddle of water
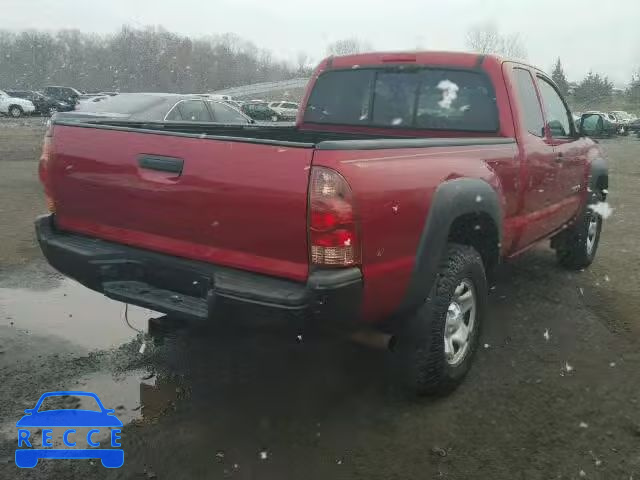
<point>72,312</point>
<point>121,393</point>
<point>135,396</point>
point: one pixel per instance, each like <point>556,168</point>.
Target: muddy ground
<point>200,405</point>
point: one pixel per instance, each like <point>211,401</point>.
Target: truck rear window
<point>404,97</point>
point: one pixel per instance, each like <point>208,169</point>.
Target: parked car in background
<point>622,116</point>
<point>609,126</point>
<point>615,121</point>
<point>262,111</point>
<point>624,119</point>
<point>65,94</point>
<point>218,111</point>
<point>634,125</point>
<point>44,105</point>
<point>158,107</point>
<point>286,110</point>
<point>15,106</point>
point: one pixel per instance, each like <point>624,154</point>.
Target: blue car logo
<point>27,455</point>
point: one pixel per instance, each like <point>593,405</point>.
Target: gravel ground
<point>202,405</point>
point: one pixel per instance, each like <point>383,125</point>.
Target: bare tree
<point>301,61</point>
<point>347,46</point>
<point>513,47</point>
<point>486,38</point>
<point>483,38</point>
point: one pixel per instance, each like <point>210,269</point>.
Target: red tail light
<point>45,158</point>
<point>333,229</point>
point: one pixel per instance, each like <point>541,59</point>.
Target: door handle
<point>161,164</point>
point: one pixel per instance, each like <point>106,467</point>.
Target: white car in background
<point>623,117</point>
<point>15,107</point>
<point>619,119</point>
<point>287,110</point>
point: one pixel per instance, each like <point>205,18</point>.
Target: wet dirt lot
<point>198,404</point>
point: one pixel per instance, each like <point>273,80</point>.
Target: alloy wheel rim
<point>460,323</point>
<point>592,232</point>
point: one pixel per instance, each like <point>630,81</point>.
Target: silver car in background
<point>159,107</point>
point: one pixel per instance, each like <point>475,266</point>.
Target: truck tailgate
<point>240,204</point>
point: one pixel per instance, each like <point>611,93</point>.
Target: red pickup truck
<point>407,178</point>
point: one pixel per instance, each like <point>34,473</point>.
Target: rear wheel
<point>15,111</point>
<point>53,111</point>
<point>435,346</point>
<point>577,246</point>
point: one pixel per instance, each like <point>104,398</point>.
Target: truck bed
<point>293,136</point>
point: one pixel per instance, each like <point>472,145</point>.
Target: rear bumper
<point>191,289</point>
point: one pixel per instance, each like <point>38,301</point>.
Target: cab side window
<point>558,117</point>
<point>531,110</point>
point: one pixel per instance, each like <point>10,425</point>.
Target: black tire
<point>15,111</point>
<point>52,111</point>
<point>419,349</point>
<point>577,247</point>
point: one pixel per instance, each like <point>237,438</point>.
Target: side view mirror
<point>591,125</point>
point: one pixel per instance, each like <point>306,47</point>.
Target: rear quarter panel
<point>393,190</point>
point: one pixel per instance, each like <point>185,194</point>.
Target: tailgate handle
<point>162,164</point>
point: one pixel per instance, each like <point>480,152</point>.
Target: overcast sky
<point>598,35</point>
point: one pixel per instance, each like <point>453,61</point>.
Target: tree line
<point>149,59</point>
<point>596,91</point>
<point>154,59</point>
